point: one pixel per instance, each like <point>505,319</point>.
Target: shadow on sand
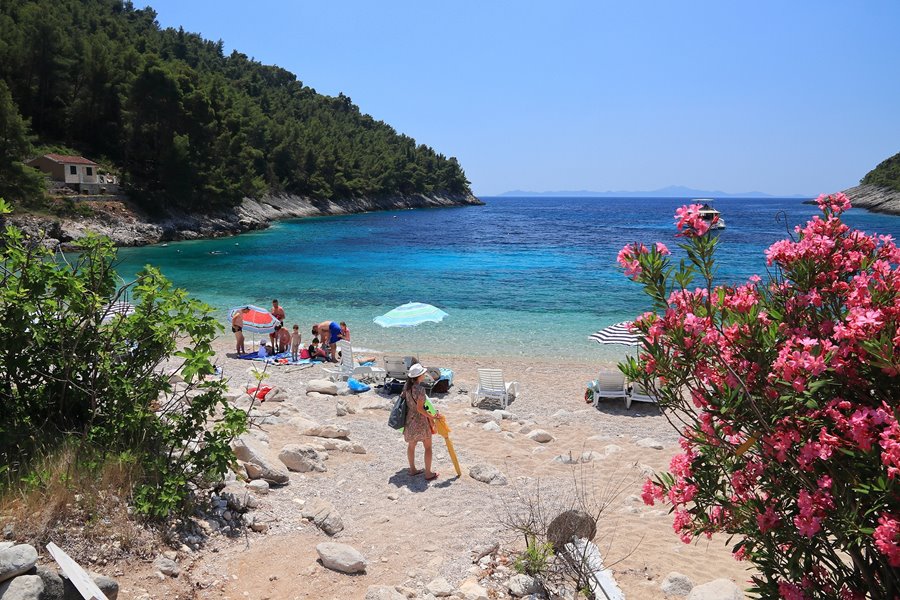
<point>417,483</point>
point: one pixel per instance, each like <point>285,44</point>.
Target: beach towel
<point>282,358</point>
<point>259,393</point>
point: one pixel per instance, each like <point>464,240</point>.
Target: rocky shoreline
<point>875,198</point>
<point>127,225</point>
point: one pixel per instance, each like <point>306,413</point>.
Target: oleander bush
<point>80,381</point>
<point>785,391</point>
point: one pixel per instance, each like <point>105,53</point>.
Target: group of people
<point>324,343</point>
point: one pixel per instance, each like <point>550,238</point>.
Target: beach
<point>412,532</point>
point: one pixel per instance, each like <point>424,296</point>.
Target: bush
<point>786,394</point>
<point>72,373</point>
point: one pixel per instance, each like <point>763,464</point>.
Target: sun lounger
<point>637,393</point>
<point>491,385</point>
<point>610,383</point>
<point>348,368</point>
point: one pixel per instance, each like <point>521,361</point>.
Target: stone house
<point>75,172</point>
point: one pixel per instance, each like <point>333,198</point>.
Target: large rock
<point>471,590</point>
<point>487,474</point>
<point>322,386</point>
<point>650,443</point>
<point>329,431</point>
<point>23,587</point>
<point>383,592</point>
<point>252,452</point>
<point>341,557</point>
<point>236,495</point>
<point>302,458</point>
<point>58,587</point>
<point>491,426</point>
<point>323,515</point>
<point>17,560</point>
<point>522,585</point>
<point>343,446</point>
<point>439,587</point>
<point>167,566</point>
<point>540,436</point>
<point>568,525</point>
<point>676,584</point>
<point>718,589</point>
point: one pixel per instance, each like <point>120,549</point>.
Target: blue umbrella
<point>410,315</point>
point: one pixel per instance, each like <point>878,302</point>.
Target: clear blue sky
<point>784,97</point>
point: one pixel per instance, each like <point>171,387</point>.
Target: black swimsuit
<point>235,329</point>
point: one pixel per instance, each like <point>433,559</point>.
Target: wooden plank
<point>78,576</point>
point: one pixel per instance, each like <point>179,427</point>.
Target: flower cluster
<point>790,389</point>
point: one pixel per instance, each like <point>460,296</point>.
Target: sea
<point>518,277</point>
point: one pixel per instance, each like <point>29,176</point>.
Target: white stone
<point>260,486</point>
<point>591,456</point>
<point>328,431</point>
<point>650,443</point>
<point>565,459</point>
<point>167,566</point>
<point>491,426</point>
<point>612,449</point>
<point>540,436</point>
<point>301,458</point>
<point>17,560</point>
<point>471,590</point>
<point>525,429</point>
<point>24,587</point>
<point>236,495</point>
<point>323,515</point>
<point>718,589</point>
<point>343,446</point>
<point>505,414</point>
<point>487,474</point>
<point>251,451</point>
<point>522,585</point>
<point>341,557</point>
<point>322,386</point>
<point>383,592</point>
<point>676,584</point>
<point>439,587</point>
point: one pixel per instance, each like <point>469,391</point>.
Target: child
<point>295,343</point>
<point>345,332</point>
<point>315,351</point>
<point>262,353</point>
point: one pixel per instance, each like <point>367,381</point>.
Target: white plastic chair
<point>492,385</point>
<point>639,393</point>
<point>610,384</point>
<point>348,368</point>
<point>396,367</point>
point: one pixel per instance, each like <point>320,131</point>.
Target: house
<point>75,172</point>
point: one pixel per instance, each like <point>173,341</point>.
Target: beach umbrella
<point>258,320</point>
<point>410,315</point>
<point>620,333</point>
<point>110,311</point>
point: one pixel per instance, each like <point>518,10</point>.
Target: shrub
<point>786,395</point>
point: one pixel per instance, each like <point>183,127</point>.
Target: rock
<point>276,395</point>
<point>718,589</point>
<point>649,443</point>
<point>487,474</point>
<point>322,386</point>
<point>570,524</point>
<point>505,414</point>
<point>252,452</point>
<point>24,587</point>
<point>676,584</point>
<point>525,429</point>
<point>565,459</point>
<point>343,446</point>
<point>53,582</point>
<point>260,486</point>
<point>236,495</point>
<point>5,545</point>
<point>256,522</point>
<point>522,585</point>
<point>611,449</point>
<point>344,409</point>
<point>486,418</point>
<point>341,557</point>
<point>491,426</point>
<point>383,592</point>
<point>302,458</point>
<point>323,515</point>
<point>17,560</point>
<point>318,396</point>
<point>540,436</point>
<point>167,566</point>
<point>328,431</point>
<point>376,403</point>
<point>591,456</point>
<point>439,587</point>
<point>470,590</point>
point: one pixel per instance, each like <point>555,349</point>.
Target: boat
<point>709,214</point>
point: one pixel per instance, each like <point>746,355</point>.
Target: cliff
<point>127,225</point>
<point>875,198</point>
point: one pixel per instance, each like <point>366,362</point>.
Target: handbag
<point>397,418</point>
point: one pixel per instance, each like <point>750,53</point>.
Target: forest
<point>886,174</point>
<point>182,124</point>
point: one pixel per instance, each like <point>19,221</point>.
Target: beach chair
<point>348,368</point>
<point>492,385</point>
<point>610,383</point>
<point>395,370</point>
<point>638,393</point>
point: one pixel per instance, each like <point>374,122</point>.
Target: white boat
<point>709,214</point>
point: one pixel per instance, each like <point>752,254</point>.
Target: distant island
<point>672,191</point>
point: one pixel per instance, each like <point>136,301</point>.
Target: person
<point>282,339</point>
<point>295,343</point>
<point>263,351</point>
<point>237,328</point>
<point>278,313</point>
<point>329,332</point>
<point>419,423</point>
<point>345,332</point>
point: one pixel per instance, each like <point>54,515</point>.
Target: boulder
<point>236,495</point>
<point>540,436</point>
<point>383,592</point>
<point>676,584</point>
<point>343,409</point>
<point>439,587</point>
<point>649,443</point>
<point>167,566</point>
<point>17,560</point>
<point>486,418</point>
<point>522,585</point>
<point>328,431</point>
<point>487,474</point>
<point>591,456</point>
<point>252,452</point>
<point>323,515</point>
<point>303,424</point>
<point>107,585</point>
<point>302,458</point>
<point>611,449</point>
<point>260,486</point>
<point>23,587</point>
<point>525,429</point>
<point>491,426</point>
<point>470,590</point>
<point>322,386</point>
<point>505,414</point>
<point>718,589</point>
<point>341,557</point>
<point>570,524</point>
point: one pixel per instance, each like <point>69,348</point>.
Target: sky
<point>786,98</point>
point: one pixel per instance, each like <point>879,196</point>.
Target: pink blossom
<point>886,538</point>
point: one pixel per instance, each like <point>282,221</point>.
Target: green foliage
<point>71,372</point>
<point>886,174</point>
<point>17,181</point>
<point>189,127</point>
<point>535,559</point>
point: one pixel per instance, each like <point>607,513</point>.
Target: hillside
<point>879,190</point>
<point>184,125</point>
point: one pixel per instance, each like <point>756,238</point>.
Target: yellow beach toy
<point>443,430</point>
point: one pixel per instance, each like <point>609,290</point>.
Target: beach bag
<point>397,418</point>
<point>357,386</point>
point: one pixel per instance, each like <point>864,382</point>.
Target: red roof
<point>70,160</point>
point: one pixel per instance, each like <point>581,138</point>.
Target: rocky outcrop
<point>127,225</point>
<point>875,198</point>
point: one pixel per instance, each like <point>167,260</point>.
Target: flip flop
<point>414,473</point>
<point>433,476</point>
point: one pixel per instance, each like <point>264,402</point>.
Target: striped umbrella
<point>410,315</point>
<point>620,333</point>
<point>257,320</point>
<point>110,311</point>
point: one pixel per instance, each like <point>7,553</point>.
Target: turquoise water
<point>519,276</point>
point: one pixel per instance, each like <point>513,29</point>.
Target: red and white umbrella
<point>256,320</point>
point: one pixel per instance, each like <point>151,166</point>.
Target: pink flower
<point>689,221</point>
<point>790,591</point>
<point>886,538</point>
<point>767,520</point>
<point>662,249</point>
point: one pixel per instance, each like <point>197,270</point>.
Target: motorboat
<point>709,214</point>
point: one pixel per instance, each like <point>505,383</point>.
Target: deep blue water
<point>517,276</point>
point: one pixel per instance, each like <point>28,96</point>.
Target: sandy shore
<point>411,531</point>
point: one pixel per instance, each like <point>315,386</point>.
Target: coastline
<point>126,224</point>
<point>874,198</point>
